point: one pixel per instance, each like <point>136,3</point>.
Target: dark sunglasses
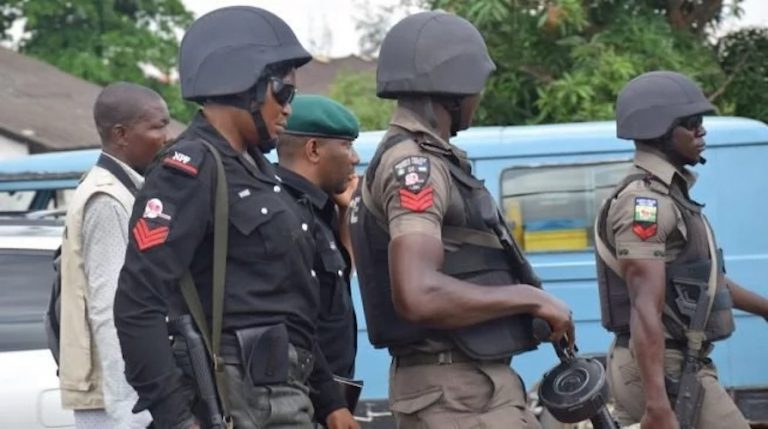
<point>282,91</point>
<point>691,123</point>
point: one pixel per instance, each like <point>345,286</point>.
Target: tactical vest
<point>687,275</point>
<point>474,254</point>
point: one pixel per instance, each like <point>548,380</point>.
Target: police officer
<point>649,235</point>
<point>316,161</point>
<point>239,64</point>
<point>444,286</point>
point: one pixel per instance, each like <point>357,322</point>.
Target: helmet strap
<point>453,106</point>
<point>429,113</point>
<point>257,97</point>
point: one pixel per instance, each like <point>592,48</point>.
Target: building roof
<point>46,107</point>
<point>316,77</point>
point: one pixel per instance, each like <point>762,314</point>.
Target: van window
<point>24,293</point>
<point>553,207</point>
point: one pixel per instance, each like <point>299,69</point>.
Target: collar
<point>653,161</point>
<point>301,185</point>
<point>410,121</point>
<point>137,178</point>
<point>201,127</point>
<point>259,168</point>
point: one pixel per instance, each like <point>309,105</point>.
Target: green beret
<point>315,115</point>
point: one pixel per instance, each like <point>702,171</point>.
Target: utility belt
<point>622,340</point>
<point>264,353</point>
<point>442,358</point>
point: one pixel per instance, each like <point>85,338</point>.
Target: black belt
<point>299,370</point>
<point>622,340</point>
<point>441,358</point>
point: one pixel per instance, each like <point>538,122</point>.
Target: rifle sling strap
<point>189,291</point>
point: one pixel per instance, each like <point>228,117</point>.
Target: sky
<point>327,27</point>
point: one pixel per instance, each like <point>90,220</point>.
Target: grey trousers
<point>278,406</point>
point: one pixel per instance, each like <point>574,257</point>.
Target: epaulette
<point>656,185</point>
<point>185,156</point>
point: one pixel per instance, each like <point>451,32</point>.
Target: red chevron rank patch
<point>147,238</point>
<point>644,231</point>
<point>416,202</point>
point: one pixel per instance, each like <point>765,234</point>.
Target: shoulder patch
<point>184,161</point>
<point>644,223</point>
<point>412,173</point>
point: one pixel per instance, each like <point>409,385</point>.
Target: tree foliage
<point>105,40</point>
<point>357,91</point>
<point>566,60</point>
<point>744,58</point>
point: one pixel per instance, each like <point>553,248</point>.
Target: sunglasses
<point>282,91</point>
<point>691,123</point>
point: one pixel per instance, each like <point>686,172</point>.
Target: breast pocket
<point>334,296</point>
<point>264,228</point>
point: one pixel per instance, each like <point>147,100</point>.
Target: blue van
<point>550,181</point>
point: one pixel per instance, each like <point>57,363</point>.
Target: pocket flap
<point>247,214</point>
<point>416,402</point>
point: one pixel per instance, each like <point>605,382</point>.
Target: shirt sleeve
<point>105,237</point>
<point>642,222</point>
<point>324,392</point>
<point>414,188</point>
<point>170,219</point>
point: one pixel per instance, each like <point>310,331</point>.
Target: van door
<point>550,204</point>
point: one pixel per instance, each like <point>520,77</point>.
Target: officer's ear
<point>117,134</point>
<point>312,150</point>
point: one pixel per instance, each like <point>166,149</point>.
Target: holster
<point>264,353</point>
<point>192,358</point>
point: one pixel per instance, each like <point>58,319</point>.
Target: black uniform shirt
<point>337,326</point>
<point>337,330</point>
<point>270,277</point>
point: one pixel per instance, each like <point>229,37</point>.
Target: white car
<point>29,388</point>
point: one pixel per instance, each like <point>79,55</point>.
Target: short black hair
<point>120,103</point>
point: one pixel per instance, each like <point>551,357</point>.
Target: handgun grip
<point>201,368</point>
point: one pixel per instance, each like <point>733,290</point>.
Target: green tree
<point>566,60</point>
<point>357,91</point>
<point>105,40</point>
<point>744,58</point>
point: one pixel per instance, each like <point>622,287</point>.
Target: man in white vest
<point>132,122</point>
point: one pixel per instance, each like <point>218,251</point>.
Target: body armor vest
<point>484,261</point>
<point>687,276</point>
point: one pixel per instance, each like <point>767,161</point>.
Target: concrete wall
<point>11,148</point>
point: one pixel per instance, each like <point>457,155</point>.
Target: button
<point>264,210</point>
<point>304,226</point>
<point>313,273</point>
<point>340,273</point>
<point>333,245</point>
<point>278,178</point>
<point>276,188</point>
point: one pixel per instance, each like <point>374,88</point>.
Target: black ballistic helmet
<point>226,52</point>
<point>434,53</point>
<point>649,104</point>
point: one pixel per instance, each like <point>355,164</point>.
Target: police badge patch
<point>412,173</point>
<point>644,223</point>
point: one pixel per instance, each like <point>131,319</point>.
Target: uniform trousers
<point>466,395</point>
<point>278,406</point>
<point>717,412</point>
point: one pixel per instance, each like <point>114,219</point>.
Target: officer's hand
<point>659,418</point>
<point>341,419</point>
<point>343,199</point>
<point>560,320</point>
